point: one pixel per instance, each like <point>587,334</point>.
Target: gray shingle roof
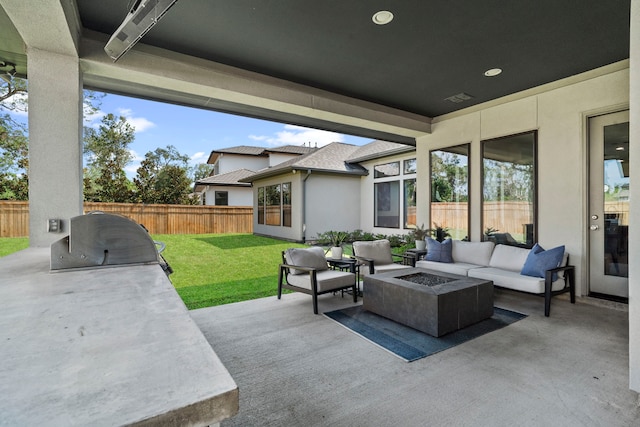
<point>378,149</point>
<point>329,158</point>
<point>229,178</point>
<point>293,149</point>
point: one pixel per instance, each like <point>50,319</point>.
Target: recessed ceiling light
<point>382,17</point>
<point>493,72</point>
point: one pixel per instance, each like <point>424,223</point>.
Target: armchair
<point>378,257</point>
<point>306,270</point>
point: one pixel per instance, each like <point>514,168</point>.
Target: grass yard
<point>215,269</point>
<point>9,245</point>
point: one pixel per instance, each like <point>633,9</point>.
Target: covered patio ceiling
<point>418,64</point>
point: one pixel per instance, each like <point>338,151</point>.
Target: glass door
<point>609,206</point>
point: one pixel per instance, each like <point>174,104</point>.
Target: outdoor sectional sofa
<point>503,264</point>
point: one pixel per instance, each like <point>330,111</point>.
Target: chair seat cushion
<point>327,280</point>
<point>514,280</point>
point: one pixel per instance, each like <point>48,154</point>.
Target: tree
<point>200,171</point>
<point>163,177</point>
<point>108,154</point>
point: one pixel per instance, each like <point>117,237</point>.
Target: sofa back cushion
<point>478,253</point>
<point>439,251</point>
<point>378,250</point>
<point>306,257</point>
<point>508,257</point>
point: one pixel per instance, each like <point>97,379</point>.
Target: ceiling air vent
<point>459,97</point>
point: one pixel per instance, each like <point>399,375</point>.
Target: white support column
<point>55,143</point>
<point>634,219</point>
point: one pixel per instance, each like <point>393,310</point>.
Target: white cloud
<point>298,135</point>
<point>198,157</point>
<point>140,124</point>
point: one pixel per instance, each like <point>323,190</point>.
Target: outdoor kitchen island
<point>432,302</point>
<point>108,346</point>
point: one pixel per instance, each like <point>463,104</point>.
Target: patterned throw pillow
<point>439,251</point>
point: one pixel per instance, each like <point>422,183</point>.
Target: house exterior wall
<point>231,162</point>
<point>277,158</point>
<point>238,196</point>
<point>367,194</point>
<point>288,233</point>
<point>332,203</point>
<point>560,117</point>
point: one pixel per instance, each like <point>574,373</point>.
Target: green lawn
<point>9,245</point>
<point>215,269</point>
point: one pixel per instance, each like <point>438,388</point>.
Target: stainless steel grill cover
<point>103,240</point>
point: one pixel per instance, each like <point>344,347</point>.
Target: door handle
<point>594,227</point>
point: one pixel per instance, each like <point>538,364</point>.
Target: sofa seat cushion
<point>459,268</point>
<point>514,280</point>
<point>478,253</point>
<point>385,268</point>
<point>510,258</point>
<point>327,280</point>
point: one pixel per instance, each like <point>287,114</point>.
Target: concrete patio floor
<point>294,368</point>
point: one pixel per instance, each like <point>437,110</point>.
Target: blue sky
<point>196,132</point>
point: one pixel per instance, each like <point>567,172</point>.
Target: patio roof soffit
<point>60,35</point>
<point>162,75</point>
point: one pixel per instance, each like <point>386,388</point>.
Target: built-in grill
<point>98,240</point>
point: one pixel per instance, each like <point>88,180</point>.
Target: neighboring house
<point>231,164</point>
<point>226,189</point>
<point>332,190</point>
<point>253,158</point>
<point>311,194</point>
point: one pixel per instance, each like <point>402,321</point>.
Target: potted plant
<point>439,232</point>
<point>337,238</point>
<point>419,233</point>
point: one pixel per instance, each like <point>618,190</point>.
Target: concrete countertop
<point>110,346</point>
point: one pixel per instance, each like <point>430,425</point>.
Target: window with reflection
<point>409,203</point>
<point>273,200</point>
<point>509,211</point>
<point>450,190</point>
<point>386,169</point>
<point>286,204</point>
<point>261,205</point>
<point>410,166</point>
<point>387,204</point>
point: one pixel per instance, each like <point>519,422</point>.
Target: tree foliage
<point>108,154</point>
<point>448,178</point>
<point>163,178</point>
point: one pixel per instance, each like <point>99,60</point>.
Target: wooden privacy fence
<point>158,219</point>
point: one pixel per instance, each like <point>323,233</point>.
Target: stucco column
<point>634,200</point>
<point>55,143</point>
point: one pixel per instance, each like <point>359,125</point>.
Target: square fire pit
<point>430,301</point>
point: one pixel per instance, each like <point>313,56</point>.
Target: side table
<point>350,264</point>
<point>415,255</point>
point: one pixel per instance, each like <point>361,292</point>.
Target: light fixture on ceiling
<point>493,72</point>
<point>620,148</point>
<point>7,75</point>
<point>382,17</point>
<point>142,16</point>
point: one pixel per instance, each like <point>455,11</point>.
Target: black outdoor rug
<point>408,343</point>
